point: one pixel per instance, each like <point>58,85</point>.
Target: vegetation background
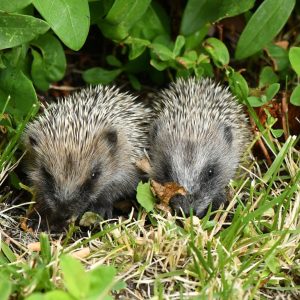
<point>248,250</point>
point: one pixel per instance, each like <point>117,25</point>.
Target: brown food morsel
<point>165,192</point>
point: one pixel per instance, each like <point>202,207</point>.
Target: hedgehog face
<point>73,181</point>
<point>203,164</point>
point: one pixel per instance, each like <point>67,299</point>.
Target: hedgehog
<point>197,140</point>
<point>82,153</point>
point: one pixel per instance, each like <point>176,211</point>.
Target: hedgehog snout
<point>180,203</point>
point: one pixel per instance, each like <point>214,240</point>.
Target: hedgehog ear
<point>112,137</point>
<point>228,134</point>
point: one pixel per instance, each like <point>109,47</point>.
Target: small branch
<point>284,115</point>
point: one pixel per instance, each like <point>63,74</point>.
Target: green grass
<point>247,250</point>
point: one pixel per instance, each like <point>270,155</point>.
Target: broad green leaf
<point>158,65</point>
<point>277,133</point>
<point>75,278</point>
<point>295,97</point>
<point>263,26</point>
<point>5,288</point>
<point>197,13</point>
<point>195,39</point>
<point>52,295</point>
<point>267,76</point>
<point>38,72</point>
<point>294,56</point>
<point>256,101</point>
<point>272,90</point>
<point>13,5</point>
<point>15,84</point>
<point>113,61</point>
<point>279,57</point>
<point>69,19</point>
<point>99,75</point>
<point>162,51</point>
<point>144,196</point>
<point>58,295</point>
<point>218,51</point>
<point>18,29</point>
<point>127,11</point>
<point>189,59</point>
<point>54,59</point>
<point>153,23</point>
<point>103,281</point>
<point>179,43</point>
<point>122,16</point>
<point>137,46</point>
<point>134,82</point>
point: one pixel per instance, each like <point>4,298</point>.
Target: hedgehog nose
<point>181,203</point>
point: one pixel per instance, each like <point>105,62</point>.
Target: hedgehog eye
<point>208,173</point>
<point>95,174</point>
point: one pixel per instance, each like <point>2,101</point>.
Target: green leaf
<point>137,46</point>
<point>38,72</point>
<point>295,97</point>
<point>75,278</point>
<point>5,288</point>
<point>189,59</point>
<point>13,5</point>
<point>277,133</point>
<point>162,51</point>
<point>263,26</point>
<point>272,90</point>
<point>294,56</point>
<point>122,16</point>
<point>15,84</point>
<point>179,43</point>
<point>256,101</point>
<point>7,252</point>
<point>54,59</point>
<point>279,57</point>
<point>103,281</point>
<point>158,65</point>
<point>99,75</point>
<point>52,295</point>
<point>154,22</point>
<point>218,51</point>
<point>134,82</point>
<point>238,84</point>
<point>18,29</point>
<point>113,61</point>
<point>58,295</point>
<point>195,39</point>
<point>69,19</point>
<point>144,196</point>
<point>267,77</point>
<point>197,13</point>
